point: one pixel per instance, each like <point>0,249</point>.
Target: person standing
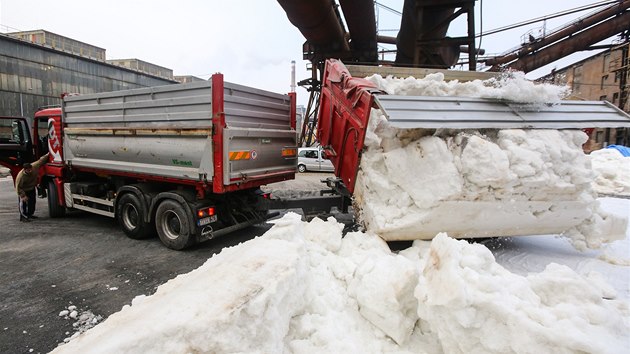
<point>25,184</point>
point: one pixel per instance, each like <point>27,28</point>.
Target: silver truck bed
<point>167,131</point>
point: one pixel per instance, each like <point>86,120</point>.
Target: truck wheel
<point>130,215</point>
<point>301,168</point>
<point>54,209</point>
<point>173,227</point>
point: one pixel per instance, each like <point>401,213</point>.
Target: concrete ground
<point>85,260</point>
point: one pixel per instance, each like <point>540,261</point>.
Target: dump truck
<point>185,161</point>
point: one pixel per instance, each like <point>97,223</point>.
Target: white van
<point>313,159</point>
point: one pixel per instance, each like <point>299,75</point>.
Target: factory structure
<point>603,76</point>
<point>37,67</point>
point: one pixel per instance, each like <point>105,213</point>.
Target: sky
<point>250,41</point>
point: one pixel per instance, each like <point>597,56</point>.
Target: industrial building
<point>37,67</point>
<point>603,76</point>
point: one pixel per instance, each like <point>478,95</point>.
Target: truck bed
<point>209,131</point>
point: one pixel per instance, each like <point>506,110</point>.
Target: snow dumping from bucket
<point>302,288</point>
<point>415,183</point>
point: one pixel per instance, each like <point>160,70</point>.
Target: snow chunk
<point>475,305</point>
<point>613,172</point>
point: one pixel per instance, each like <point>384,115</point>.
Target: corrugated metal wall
<point>32,76</point>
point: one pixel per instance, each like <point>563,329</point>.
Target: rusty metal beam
<point>573,44</point>
<point>562,33</point>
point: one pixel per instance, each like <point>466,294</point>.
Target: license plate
<point>206,221</point>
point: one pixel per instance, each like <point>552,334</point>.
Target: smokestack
<point>292,75</point>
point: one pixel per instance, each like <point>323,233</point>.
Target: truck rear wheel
<point>54,209</point>
<point>130,215</point>
<point>173,226</point>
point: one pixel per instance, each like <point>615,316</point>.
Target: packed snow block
<point>415,183</point>
<point>476,306</point>
<point>382,283</point>
<point>249,294</point>
<point>383,288</point>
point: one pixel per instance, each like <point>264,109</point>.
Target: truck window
<point>42,135</point>
<point>11,132</point>
<point>6,133</point>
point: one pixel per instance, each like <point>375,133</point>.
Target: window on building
<point>577,78</point>
<point>606,66</point>
<point>603,83</point>
<point>615,97</point>
<point>602,98</point>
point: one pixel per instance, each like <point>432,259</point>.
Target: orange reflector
<point>239,155</point>
<point>201,214</point>
<point>289,152</point>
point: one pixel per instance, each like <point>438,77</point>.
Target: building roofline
<point>56,34</point>
<point>102,62</point>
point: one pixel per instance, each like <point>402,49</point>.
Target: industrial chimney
<point>292,75</point>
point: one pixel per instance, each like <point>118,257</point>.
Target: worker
<point>25,184</point>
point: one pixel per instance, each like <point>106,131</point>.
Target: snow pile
<point>416,183</point>
<point>512,86</point>
<point>612,172</point>
<point>301,288</point>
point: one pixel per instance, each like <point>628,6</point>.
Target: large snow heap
<point>415,183</point>
<point>301,288</point>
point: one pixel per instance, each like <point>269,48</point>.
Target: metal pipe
<point>361,21</point>
<point>318,23</point>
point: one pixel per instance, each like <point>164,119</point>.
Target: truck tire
<point>301,168</point>
<point>130,213</point>
<point>54,209</point>
<point>173,227</point>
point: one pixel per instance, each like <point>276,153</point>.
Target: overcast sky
<point>250,41</point>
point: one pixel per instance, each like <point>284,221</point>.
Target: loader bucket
<point>468,166</point>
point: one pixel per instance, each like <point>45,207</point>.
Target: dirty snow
<point>82,320</point>
<point>482,183</point>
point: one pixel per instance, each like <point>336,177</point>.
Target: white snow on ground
<point>301,288</point>
<point>612,172</point>
<point>415,183</point>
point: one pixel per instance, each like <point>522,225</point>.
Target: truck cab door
<point>16,146</point>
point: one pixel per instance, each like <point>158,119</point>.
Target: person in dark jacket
<point>25,184</point>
